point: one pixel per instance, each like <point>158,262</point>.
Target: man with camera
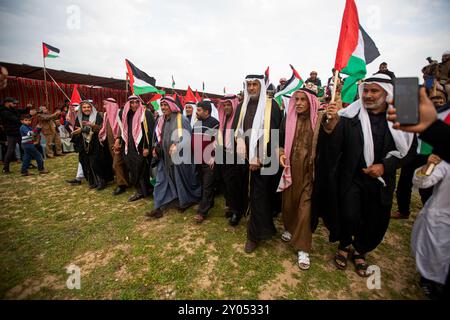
<point>48,125</point>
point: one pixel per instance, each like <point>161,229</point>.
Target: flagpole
<point>336,78</point>
<point>126,86</point>
<point>45,84</point>
<point>57,85</point>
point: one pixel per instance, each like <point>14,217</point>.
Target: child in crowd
<point>29,141</point>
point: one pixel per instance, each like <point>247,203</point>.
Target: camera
<point>86,130</point>
<point>432,70</point>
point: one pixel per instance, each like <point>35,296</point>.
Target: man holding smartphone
<point>369,151</point>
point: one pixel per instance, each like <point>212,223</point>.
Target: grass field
<point>47,225</point>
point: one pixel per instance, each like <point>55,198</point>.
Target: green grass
<point>47,225</point>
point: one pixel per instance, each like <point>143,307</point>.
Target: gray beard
<point>375,105</point>
<point>254,97</point>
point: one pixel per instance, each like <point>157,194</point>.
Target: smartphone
<point>406,100</point>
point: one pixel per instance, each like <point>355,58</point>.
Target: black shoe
<point>250,246</point>
<point>136,197</point>
<point>431,289</point>
<point>118,190</point>
<point>234,220</point>
<point>74,182</point>
<point>101,186</point>
<point>228,214</point>
<point>156,214</point>
<point>6,171</point>
<point>93,186</point>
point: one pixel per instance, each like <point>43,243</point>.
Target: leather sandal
<point>340,260</point>
<point>360,268</point>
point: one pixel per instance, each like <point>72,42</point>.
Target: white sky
<point>218,42</point>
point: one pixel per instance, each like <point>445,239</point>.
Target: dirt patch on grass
<point>32,286</point>
<point>280,285</point>
<point>148,227</point>
<point>206,276</point>
<point>189,241</point>
<point>92,260</point>
<point>123,274</point>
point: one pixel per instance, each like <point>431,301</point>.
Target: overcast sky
<point>218,42</point>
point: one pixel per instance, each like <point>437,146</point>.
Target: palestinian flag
<point>190,97</point>
<point>293,84</point>
<point>444,116</point>
<point>49,51</point>
<point>355,50</point>
<point>424,148</point>
<point>76,98</point>
<point>173,83</point>
<point>74,101</point>
<point>197,96</point>
<point>203,86</point>
<point>266,75</point>
<point>155,102</point>
<point>140,82</point>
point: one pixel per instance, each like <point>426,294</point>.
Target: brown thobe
<point>118,162</point>
<point>48,126</point>
<point>297,198</point>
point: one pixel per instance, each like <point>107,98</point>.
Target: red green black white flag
<point>49,51</point>
<point>355,51</point>
<point>140,82</point>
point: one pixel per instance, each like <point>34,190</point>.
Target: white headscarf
<point>403,140</point>
<point>194,112</point>
<point>258,121</point>
<point>214,111</point>
<point>92,116</point>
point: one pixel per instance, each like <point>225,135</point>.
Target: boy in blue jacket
<point>29,141</point>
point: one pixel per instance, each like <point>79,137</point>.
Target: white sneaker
<point>286,236</point>
<point>303,260</point>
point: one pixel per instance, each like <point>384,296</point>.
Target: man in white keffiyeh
<point>369,151</point>
<point>256,118</point>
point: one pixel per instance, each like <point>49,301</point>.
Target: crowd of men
<point>307,159</point>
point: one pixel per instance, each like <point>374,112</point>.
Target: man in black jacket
<point>203,134</point>
<point>384,69</point>
<point>10,118</point>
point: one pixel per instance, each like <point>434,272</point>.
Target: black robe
<point>231,174</point>
<point>265,202</point>
<point>351,203</point>
<point>92,155</point>
<point>139,166</point>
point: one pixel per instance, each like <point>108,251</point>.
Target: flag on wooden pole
<point>355,51</point>
<point>49,51</point>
